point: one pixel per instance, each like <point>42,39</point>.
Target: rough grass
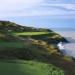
<point>32,52</point>
<point>14,46</point>
<point>28,68</point>
<point>23,50</point>
<point>11,45</point>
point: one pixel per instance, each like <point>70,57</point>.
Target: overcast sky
<point>39,13</point>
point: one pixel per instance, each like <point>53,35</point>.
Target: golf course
<point>30,51</point>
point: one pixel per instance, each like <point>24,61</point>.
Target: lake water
<point>70,36</point>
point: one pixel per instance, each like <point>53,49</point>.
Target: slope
<point>31,44</point>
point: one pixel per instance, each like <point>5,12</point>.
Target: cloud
<point>60,1</point>
<point>66,6</point>
<point>21,8</point>
<point>7,5</point>
<point>14,7</point>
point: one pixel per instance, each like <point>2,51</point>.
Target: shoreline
<point>70,45</point>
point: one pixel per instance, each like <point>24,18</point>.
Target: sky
<point>39,13</point>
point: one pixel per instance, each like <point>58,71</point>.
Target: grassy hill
<point>10,26</point>
<point>31,51</point>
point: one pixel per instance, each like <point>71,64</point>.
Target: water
<point>70,36</point>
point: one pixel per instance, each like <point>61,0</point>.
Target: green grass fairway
<point>28,68</point>
<point>30,33</point>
